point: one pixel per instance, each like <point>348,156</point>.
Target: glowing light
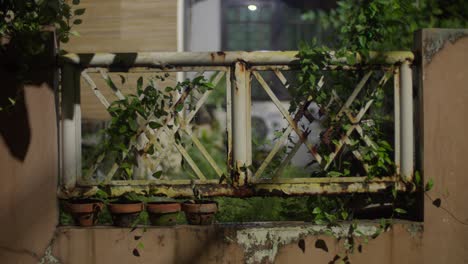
<point>252,7</point>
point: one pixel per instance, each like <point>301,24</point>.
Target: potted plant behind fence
<point>84,211</point>
<point>199,211</point>
<point>126,210</point>
<point>131,137</point>
<point>163,213</point>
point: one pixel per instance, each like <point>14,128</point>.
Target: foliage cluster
<point>25,28</point>
<point>362,26</point>
<point>135,116</point>
<point>386,24</point>
<point>24,21</point>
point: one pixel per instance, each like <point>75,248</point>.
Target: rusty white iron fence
<point>238,70</point>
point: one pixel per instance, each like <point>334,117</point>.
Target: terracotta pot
<point>125,214</point>
<point>200,212</point>
<point>85,212</point>
<point>5,40</point>
<point>163,213</point>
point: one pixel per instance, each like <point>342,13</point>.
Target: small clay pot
<point>163,213</point>
<point>85,212</point>
<point>200,212</point>
<point>5,40</point>
<point>125,214</point>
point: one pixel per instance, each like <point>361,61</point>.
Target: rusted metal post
<point>407,129</point>
<point>71,126</point>
<point>242,142</point>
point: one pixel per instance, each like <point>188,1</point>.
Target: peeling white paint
<point>48,258</point>
<point>262,244</point>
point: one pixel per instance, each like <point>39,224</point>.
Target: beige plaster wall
<point>228,244</point>
<point>445,109</point>
<point>28,163</point>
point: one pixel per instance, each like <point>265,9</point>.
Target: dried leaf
<point>301,245</point>
<point>437,202</point>
<point>320,243</point>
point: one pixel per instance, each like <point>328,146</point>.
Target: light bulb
<point>252,7</point>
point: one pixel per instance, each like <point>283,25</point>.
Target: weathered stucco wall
<point>29,213</point>
<point>28,161</point>
<point>282,243</point>
<point>444,109</point>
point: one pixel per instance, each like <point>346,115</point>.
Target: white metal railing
<point>239,69</point>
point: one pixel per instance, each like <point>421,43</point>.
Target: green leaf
<point>198,79</point>
<point>133,124</point>
<point>140,245</point>
<point>400,211</point>
<point>209,85</point>
<point>140,83</point>
<point>334,174</point>
<point>150,150</point>
<point>76,2</point>
<point>362,41</point>
<point>312,79</point>
<point>317,210</point>
<point>75,33</point>
<point>157,174</point>
<point>154,125</point>
<point>344,215</point>
<point>351,59</point>
<point>77,21</point>
<point>417,179</point>
<point>429,185</point>
<point>79,12</point>
<point>394,192</point>
<point>179,107</point>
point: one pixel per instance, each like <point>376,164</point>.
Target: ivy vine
<point>151,108</point>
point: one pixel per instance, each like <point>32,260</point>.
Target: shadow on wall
<point>28,157</point>
<point>16,72</point>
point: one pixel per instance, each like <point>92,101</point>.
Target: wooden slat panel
<point>126,26</point>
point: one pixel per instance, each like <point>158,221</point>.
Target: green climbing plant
<point>133,116</point>
<point>24,22</point>
<point>362,26</point>
<point>25,33</point>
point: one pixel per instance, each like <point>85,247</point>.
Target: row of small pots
<point>125,214</point>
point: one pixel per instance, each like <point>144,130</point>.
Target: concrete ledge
<point>286,242</point>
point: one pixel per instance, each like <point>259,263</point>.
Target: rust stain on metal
<point>258,189</point>
<point>218,56</point>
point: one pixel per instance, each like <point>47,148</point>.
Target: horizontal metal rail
<point>220,58</point>
<point>215,189</point>
<point>239,69</point>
